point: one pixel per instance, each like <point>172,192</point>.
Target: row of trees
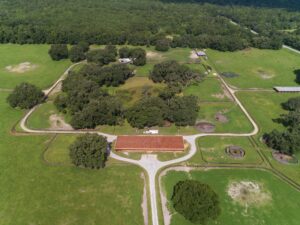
<point>100,57</point>
<point>288,141</point>
<point>76,53</point>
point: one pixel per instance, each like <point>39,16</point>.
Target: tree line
<point>127,22</point>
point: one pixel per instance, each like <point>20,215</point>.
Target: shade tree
<point>89,151</point>
<point>58,52</point>
<point>25,96</point>
<point>196,201</point>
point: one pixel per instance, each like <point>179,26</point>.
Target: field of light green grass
<point>281,207</point>
<point>212,150</point>
<point>257,68</point>
<point>34,192</point>
<point>265,108</point>
<point>42,71</point>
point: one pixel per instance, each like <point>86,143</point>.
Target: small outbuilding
<point>201,53</point>
<point>150,143</point>
<point>125,60</point>
<point>287,89</point>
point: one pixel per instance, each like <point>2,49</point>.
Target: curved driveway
<point>148,162</point>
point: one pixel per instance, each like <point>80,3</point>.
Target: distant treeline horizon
<point>146,22</point>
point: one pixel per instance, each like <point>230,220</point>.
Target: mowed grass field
<point>282,208</point>
<point>265,107</point>
<point>44,72</point>
<point>212,150</point>
<point>237,121</point>
<point>257,68</point>
<point>209,90</point>
<point>34,192</point>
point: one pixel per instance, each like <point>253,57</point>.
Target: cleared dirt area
<point>153,55</point>
<point>248,193</point>
<point>220,117</point>
<point>21,68</point>
<point>58,123</point>
<point>205,127</point>
<point>193,55</point>
<point>265,75</point>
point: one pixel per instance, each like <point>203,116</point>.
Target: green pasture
<point>282,208</point>
<point>212,150</point>
<point>264,108</point>
<point>46,70</point>
<point>209,90</point>
<point>237,121</point>
<point>258,68</point>
<point>40,118</point>
<point>57,152</point>
<point>34,192</point>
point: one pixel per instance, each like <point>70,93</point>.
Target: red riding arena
<point>150,143</point>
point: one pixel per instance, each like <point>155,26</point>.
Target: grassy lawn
<point>33,192</point>
<point>43,73</point>
<point>237,121</point>
<point>134,89</point>
<point>258,68</point>
<point>265,107</point>
<point>39,119</point>
<point>281,209</point>
<point>58,151</point>
<point>213,151</point>
<point>208,90</point>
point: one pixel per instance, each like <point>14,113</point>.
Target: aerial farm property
<point>158,120</point>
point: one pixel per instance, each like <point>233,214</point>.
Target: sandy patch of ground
<point>248,193</point>
<point>145,201</point>
<point>57,89</point>
<point>58,123</point>
<point>218,96</point>
<point>264,75</point>
<point>205,127</point>
<point>193,55</point>
<point>21,68</point>
<point>153,55</point>
<point>220,117</point>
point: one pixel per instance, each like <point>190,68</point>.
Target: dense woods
<point>130,21</point>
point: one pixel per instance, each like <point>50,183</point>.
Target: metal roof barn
<point>287,89</point>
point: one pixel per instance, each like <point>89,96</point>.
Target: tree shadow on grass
<point>297,73</point>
